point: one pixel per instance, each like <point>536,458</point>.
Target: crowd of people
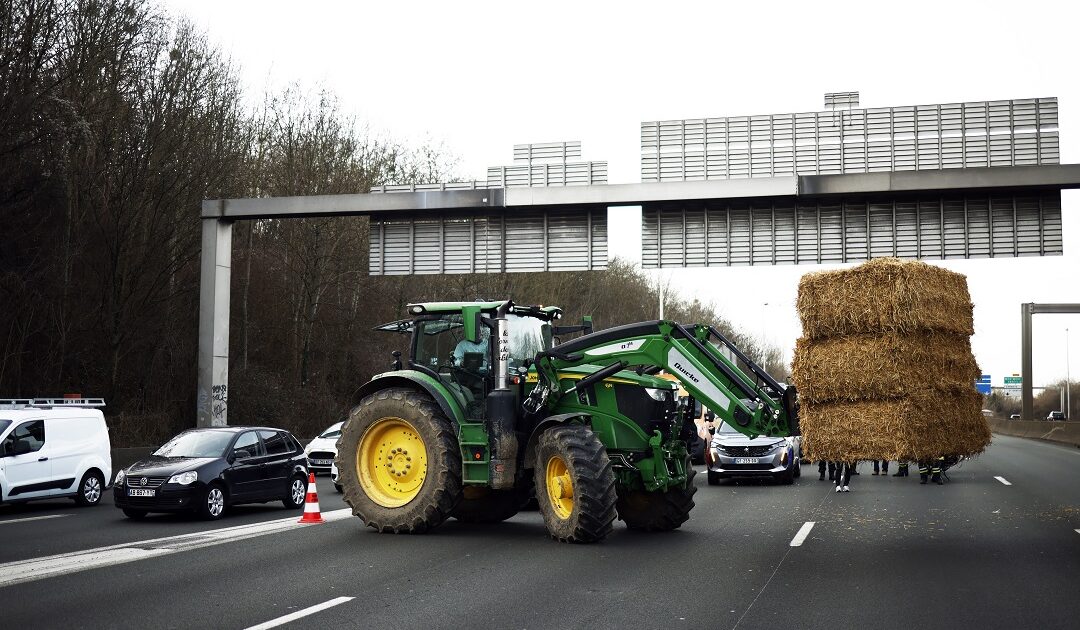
<point>931,470</point>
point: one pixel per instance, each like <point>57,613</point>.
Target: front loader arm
<point>686,354</point>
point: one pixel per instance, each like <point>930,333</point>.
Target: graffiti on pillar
<point>220,401</point>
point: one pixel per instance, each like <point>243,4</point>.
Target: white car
<point>53,447</point>
<point>333,477</point>
<point>322,450</point>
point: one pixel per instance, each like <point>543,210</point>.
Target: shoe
<point>838,489</point>
<point>847,489</point>
<point>898,474</point>
<point>821,477</point>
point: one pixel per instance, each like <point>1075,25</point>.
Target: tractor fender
<point>544,425</point>
<point>415,381</point>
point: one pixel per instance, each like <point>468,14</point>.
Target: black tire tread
<point>593,480</point>
<point>659,511</point>
<point>434,504</point>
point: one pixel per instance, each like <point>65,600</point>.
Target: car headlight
<point>780,445</point>
<point>659,395</point>
<point>119,477</point>
<point>184,478</point>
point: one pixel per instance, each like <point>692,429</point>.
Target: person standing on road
<point>901,469</point>
<point>844,471</point>
<point>821,470</point>
<point>931,468</point>
<point>884,467</point>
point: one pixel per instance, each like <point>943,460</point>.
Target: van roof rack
<point>21,403</point>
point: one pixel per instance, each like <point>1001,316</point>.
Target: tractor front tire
<point>658,511</point>
<point>398,462</point>
<point>575,486</point>
<point>484,505</point>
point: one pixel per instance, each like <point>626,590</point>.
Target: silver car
<point>732,454</point>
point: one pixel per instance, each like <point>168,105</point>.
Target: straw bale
<point>890,365</point>
<point>923,425</point>
<point>884,295</point>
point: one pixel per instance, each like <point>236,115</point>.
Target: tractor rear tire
<point>658,511</point>
<point>575,485</point>
<point>484,505</point>
<point>399,463</point>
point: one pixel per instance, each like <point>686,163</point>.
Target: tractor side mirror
<point>471,319</point>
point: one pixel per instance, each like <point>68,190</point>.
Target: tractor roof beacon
<point>488,410</point>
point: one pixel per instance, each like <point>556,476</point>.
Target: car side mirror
<point>239,454</point>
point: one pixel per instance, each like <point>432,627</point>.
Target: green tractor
<point>488,413</point>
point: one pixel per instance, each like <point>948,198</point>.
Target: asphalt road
<point>974,553</point>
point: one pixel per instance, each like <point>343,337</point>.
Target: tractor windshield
<point>528,335</point>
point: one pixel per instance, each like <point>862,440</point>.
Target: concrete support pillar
<point>1027,400</point>
<point>215,277</point>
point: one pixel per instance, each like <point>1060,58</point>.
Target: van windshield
<point>196,444</point>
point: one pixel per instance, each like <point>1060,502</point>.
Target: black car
<point>207,470</point>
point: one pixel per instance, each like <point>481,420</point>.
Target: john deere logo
<point>142,482</point>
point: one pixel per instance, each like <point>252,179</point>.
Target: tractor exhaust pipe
<point>502,412</point>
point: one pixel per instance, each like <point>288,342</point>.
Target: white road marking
<point>804,531</point>
<point>273,623</point>
<point>32,518</point>
<point>39,568</point>
<point>1002,480</point>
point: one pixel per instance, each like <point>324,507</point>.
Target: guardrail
<point>1061,432</point>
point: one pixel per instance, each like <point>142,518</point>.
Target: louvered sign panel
<point>553,240</point>
<point>929,227</point>
<point>919,137</point>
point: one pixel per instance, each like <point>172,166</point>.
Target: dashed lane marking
<point>50,566</point>
<point>32,518</point>
<point>1003,480</point>
<point>804,531</point>
<point>311,610</point>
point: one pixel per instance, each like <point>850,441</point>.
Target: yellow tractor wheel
<point>398,462</point>
<point>575,486</point>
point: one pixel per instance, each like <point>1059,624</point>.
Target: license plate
<point>322,462</point>
<point>746,460</point>
<point>140,492</point>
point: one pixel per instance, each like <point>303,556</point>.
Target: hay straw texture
<point>921,426</point>
<point>884,369</point>
<point>869,367</point>
<point>884,295</point>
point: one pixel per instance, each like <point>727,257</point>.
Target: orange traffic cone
<point>311,504</point>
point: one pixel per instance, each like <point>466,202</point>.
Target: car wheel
<point>798,469</point>
<point>90,488</point>
<point>212,502</point>
<point>134,514</point>
<point>787,477</point>
<point>337,486</point>
<point>297,493</point>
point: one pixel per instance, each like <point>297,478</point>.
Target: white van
<point>53,447</point>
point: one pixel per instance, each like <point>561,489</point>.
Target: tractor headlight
<point>659,395</point>
<point>185,478</point>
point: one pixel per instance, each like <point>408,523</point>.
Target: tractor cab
<point>452,342</point>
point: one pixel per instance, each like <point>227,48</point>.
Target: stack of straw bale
<point>884,368</point>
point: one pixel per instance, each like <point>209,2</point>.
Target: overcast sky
<point>481,77</point>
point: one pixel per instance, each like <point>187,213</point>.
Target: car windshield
<point>196,444</point>
<point>333,432</point>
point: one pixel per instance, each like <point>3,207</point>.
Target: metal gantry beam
<point>449,205</point>
<point>1026,311</point>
